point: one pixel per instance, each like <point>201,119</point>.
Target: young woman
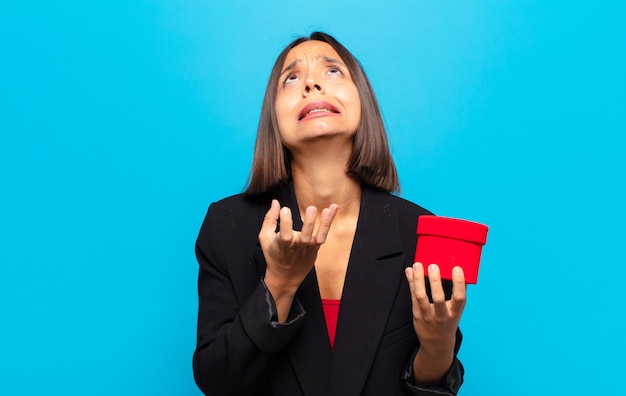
<point>306,282</point>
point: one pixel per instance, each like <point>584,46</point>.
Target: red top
<point>331,313</point>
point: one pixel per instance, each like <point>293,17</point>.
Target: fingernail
<point>457,271</point>
<point>434,268</point>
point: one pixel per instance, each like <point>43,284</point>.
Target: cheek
<point>355,106</point>
<point>285,105</point>
<point>284,120</point>
<point>282,113</point>
<point>351,97</point>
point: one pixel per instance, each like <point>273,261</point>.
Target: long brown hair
<point>371,161</point>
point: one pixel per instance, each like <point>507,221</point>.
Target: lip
<point>326,108</point>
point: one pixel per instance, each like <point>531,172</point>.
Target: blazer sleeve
<point>450,383</point>
<point>238,342</point>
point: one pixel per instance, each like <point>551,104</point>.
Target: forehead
<point>311,50</point>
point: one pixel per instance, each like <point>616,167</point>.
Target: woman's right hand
<point>290,254</point>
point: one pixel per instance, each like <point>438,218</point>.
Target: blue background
<point>120,121</point>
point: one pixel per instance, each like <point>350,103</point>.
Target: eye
<point>290,78</point>
<point>335,70</point>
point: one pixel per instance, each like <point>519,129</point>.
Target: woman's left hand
<point>436,323</point>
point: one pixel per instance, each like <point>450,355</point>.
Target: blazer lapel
<point>374,274</point>
<point>309,352</point>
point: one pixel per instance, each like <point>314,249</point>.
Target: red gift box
<point>448,243</point>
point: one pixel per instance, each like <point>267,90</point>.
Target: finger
<point>419,288</point>
<point>328,215</point>
<point>308,224</point>
<point>459,288</point>
<point>268,228</point>
<point>436,290</point>
<point>409,272</point>
<point>286,225</point>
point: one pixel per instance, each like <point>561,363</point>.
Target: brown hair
<point>371,161</point>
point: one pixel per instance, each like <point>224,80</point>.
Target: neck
<point>322,183</point>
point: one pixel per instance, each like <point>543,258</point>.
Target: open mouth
<point>317,109</point>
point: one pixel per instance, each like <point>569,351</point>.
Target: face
<point>316,97</point>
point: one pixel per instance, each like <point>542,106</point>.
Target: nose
<point>311,85</point>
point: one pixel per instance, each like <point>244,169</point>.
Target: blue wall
<point>120,121</point>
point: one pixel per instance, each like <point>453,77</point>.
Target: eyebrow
<point>325,58</point>
<point>289,67</point>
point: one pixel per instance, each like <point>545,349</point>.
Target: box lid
<point>452,228</point>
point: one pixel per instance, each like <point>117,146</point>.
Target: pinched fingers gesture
<point>290,254</point>
<point>436,322</point>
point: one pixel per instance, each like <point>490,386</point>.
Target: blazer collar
<point>375,271</point>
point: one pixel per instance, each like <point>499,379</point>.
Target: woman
<point>271,281</point>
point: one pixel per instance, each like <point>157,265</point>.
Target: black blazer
<point>242,350</point>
